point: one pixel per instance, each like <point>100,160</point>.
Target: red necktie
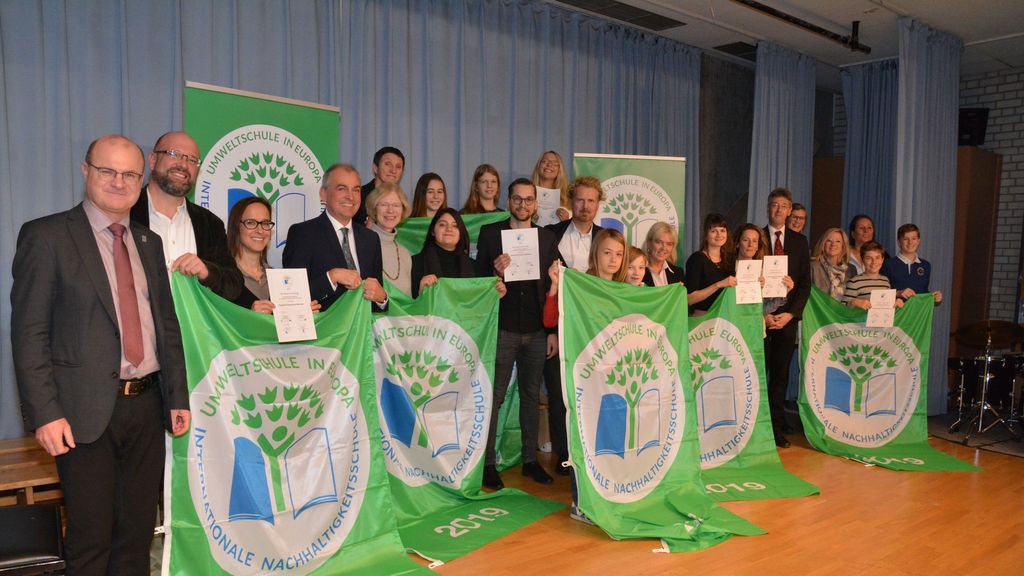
<point>131,325</point>
<point>778,244</point>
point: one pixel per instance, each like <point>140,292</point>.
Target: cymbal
<point>1002,333</point>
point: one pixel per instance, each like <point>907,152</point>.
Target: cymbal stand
<point>982,405</point>
<point>960,413</point>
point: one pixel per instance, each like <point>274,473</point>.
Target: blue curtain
<point>782,148</point>
<point>453,84</point>
<point>457,84</point>
<point>926,143</point>
<point>869,172</point>
<point>74,70</point>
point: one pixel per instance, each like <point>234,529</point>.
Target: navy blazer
<point>211,245</point>
<point>314,245</point>
<point>67,344</point>
<point>795,246</point>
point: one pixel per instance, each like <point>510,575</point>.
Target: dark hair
<point>799,206</point>
<point>338,166</point>
<point>235,222</point>
<point>905,229</point>
<point>521,182</point>
<point>853,224</point>
<point>780,191</point>
<point>387,150</point>
<point>715,220</point>
<point>419,195</point>
<point>462,247</point>
<point>871,246</point>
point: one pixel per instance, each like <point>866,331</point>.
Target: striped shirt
<point>862,285</point>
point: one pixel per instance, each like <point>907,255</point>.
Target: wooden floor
<point>866,521</point>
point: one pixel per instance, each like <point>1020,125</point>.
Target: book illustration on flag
<point>441,422</point>
<point>718,402</point>
<point>310,471</point>
<point>417,404</point>
<point>858,387</point>
<point>629,422</point>
<point>250,496</point>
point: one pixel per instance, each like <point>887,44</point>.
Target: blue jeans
<point>527,352</point>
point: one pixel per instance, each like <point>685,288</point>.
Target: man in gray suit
<point>98,359</point>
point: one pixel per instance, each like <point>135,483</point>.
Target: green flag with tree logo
<point>864,392</point>
<point>435,364</point>
<point>738,457</point>
<point>632,423</point>
<point>282,470</point>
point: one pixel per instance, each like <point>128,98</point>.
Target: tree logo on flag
<point>434,399</point>
<point>629,407</point>
<point>862,383</point>
<point>633,204</point>
<point>274,457</point>
<point>727,387</point>
<point>264,161</point>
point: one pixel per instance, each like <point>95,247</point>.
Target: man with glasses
<point>195,243</point>
<point>797,218</point>
<point>522,339</point>
<point>98,360</point>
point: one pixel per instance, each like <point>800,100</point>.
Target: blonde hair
<point>380,192</point>
<point>561,181</point>
<point>819,247</point>
<point>658,229</point>
<point>595,246</point>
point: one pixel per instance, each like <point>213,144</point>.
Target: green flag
<point>508,445</point>
<point>282,470</point>
<point>864,389</point>
<point>632,423</point>
<point>738,457</point>
<point>412,231</point>
<point>435,365</point>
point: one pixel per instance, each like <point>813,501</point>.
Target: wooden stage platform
<point>867,521</point>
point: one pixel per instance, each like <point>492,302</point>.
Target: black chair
<point>32,542</point>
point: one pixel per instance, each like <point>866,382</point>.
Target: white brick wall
<point>1003,94</point>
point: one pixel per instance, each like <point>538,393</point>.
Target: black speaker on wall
<point>973,122</point>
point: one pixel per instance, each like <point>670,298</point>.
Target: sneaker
<point>491,478</point>
<point>537,473</point>
<point>576,514</point>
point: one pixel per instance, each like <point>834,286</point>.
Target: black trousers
<point>556,408</point>
<point>779,346</point>
<point>111,487</point>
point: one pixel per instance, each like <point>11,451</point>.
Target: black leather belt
<point>136,386</point>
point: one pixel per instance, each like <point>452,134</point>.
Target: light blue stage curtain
<point>869,172</point>
<point>457,84</point>
<point>926,152</point>
<point>782,146</point>
<point>73,70</point>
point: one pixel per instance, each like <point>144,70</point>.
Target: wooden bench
<point>27,473</point>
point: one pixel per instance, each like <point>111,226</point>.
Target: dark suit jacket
<point>559,229</point>
<point>673,274</point>
<point>211,245</point>
<point>314,245</point>
<point>66,340</point>
<point>795,246</point>
<point>488,247</point>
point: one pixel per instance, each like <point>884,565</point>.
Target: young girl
<point>637,267</point>
<point>859,288</point>
<point>607,262</point>
<point>430,196</point>
<point>483,191</point>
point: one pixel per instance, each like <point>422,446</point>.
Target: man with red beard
<point>194,240</point>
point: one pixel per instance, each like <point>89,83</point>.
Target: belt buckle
<point>127,389</point>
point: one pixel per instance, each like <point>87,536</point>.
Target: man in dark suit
<point>193,237</point>
<point>337,253</point>
<point>522,339</point>
<point>98,359</point>
<point>573,238</point>
<point>781,322</point>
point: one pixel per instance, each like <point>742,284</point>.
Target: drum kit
<point>989,391</point>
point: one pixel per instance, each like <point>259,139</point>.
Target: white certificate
<point>748,293</point>
<point>521,245</point>
<point>289,291</point>
<point>548,202</point>
<point>748,282</point>
<point>775,269</point>
<point>883,309</point>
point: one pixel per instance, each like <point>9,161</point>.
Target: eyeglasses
<point>390,206</point>
<point>521,200</point>
<point>109,174</point>
<point>252,224</point>
<point>176,154</point>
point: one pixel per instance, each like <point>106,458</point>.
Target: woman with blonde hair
<point>387,206</point>
<point>830,263</point>
<point>549,172</point>
<point>660,247</point>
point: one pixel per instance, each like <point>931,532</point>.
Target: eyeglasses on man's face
<point>251,224</point>
<point>179,155</point>
<point>109,174</point>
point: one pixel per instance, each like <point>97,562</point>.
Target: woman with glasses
<point>549,172</point>
<point>249,228</point>
<point>430,196</point>
<point>483,191</point>
<point>386,207</point>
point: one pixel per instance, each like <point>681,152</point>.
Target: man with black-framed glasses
<point>194,240</point>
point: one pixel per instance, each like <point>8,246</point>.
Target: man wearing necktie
<point>98,359</point>
<point>781,323</point>
<point>337,253</point>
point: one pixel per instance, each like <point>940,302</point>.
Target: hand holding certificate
<point>883,309</point>
<point>289,291</point>
<point>548,202</point>
<point>521,244</point>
